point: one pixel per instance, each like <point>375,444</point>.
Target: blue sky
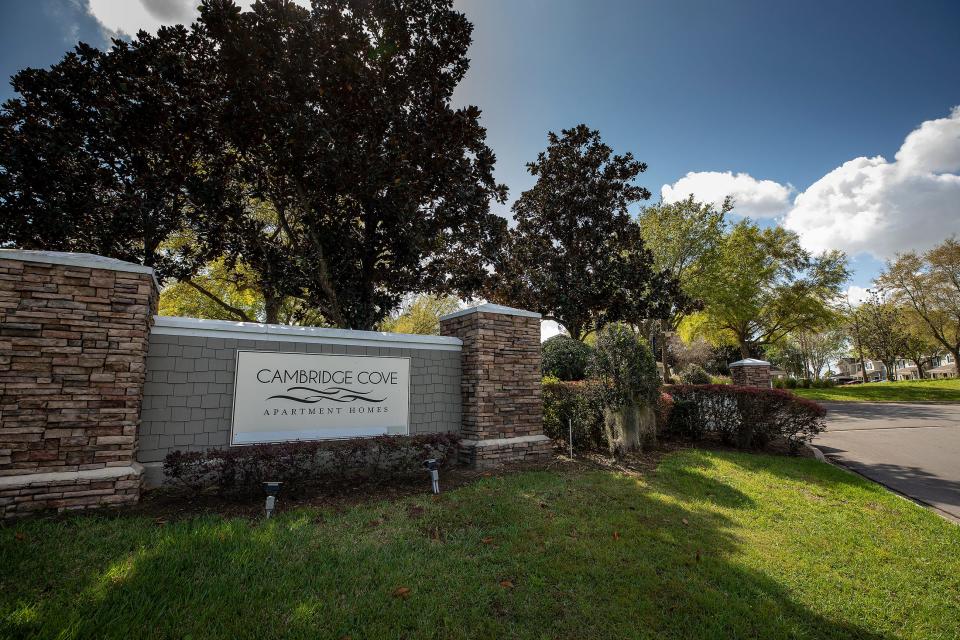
<point>805,104</point>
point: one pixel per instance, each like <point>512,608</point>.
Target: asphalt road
<point>911,448</point>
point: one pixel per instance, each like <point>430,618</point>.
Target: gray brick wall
<point>188,396</point>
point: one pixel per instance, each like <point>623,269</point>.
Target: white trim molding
<point>195,327</point>
<point>503,442</point>
<point>492,308</point>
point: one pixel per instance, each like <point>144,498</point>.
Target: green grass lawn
<point>945,390</point>
<point>710,545</point>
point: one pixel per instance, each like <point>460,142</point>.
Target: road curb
<point>819,455</point>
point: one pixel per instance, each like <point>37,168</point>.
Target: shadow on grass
<point>532,555</point>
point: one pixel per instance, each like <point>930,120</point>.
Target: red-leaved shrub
<point>746,417</point>
<point>241,470</point>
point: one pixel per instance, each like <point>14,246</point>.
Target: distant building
<point>848,369</point>
<point>934,367</point>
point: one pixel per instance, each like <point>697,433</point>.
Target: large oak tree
<point>316,152</point>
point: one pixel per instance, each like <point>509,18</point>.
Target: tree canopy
<point>767,287</point>
<point>575,255</point>
<point>929,283</point>
<point>685,239</point>
<point>318,148</point>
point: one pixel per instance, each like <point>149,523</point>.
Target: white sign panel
<point>305,396</point>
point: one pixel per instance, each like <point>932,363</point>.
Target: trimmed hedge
<point>241,470</point>
<point>745,417</point>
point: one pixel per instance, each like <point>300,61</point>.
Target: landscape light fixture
<point>433,466</point>
<point>271,489</point>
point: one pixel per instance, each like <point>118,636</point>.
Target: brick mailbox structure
<point>751,373</point>
<point>500,384</point>
<point>74,330</point>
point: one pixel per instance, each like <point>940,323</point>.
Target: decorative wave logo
<point>333,394</point>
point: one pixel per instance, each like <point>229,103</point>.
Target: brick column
<point>751,373</point>
<point>500,384</point>
<point>74,332</point>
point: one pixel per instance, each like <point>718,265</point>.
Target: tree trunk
<point>271,307</point>
<point>744,349</point>
<point>863,363</point>
<point>663,357</point>
<point>919,364</point>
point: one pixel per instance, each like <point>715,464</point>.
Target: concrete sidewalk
<point>912,448</point>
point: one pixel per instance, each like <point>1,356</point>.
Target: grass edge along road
<point>710,544</point>
<point>942,390</point>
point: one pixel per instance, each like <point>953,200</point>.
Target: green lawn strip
<point>944,390</point>
<point>711,544</point>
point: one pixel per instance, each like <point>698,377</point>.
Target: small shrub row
<point>239,471</point>
<point>803,383</point>
<point>745,417</point>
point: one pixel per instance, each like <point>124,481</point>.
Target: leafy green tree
<point>767,286</point>
<point>930,284</point>
<point>421,315</point>
<point>884,331</point>
<point>919,346</point>
<point>342,121</point>
<point>684,238</point>
<point>575,255</point>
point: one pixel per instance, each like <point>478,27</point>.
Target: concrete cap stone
<point>750,362</point>
<point>492,308</point>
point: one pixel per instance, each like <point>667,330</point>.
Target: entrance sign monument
<point>280,397</point>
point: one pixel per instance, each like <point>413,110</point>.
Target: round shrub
<point>694,374</point>
<point>624,363</point>
<point>565,358</point>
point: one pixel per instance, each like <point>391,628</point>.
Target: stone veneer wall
<point>74,332</point>
<point>500,384</point>
<point>754,373</point>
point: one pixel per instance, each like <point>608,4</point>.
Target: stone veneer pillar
<point>751,373</point>
<point>500,384</point>
<point>74,331</point>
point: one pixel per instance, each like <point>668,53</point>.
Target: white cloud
<point>856,294</point>
<point>129,16</point>
<point>752,197</point>
<point>880,207</point>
